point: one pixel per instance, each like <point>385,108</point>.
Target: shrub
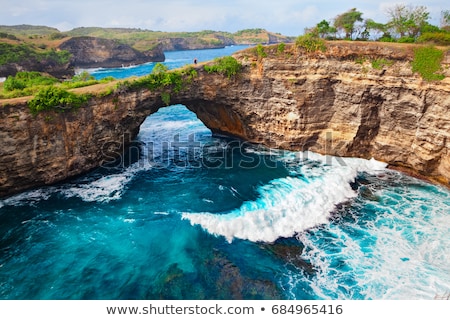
<point>310,43</point>
<point>427,62</point>
<point>57,35</point>
<point>10,53</point>
<point>27,79</point>
<point>228,66</point>
<point>12,83</point>
<point>260,52</point>
<point>8,36</point>
<point>160,68</point>
<point>406,40</point>
<point>281,47</point>
<point>159,78</point>
<point>438,38</point>
<point>57,99</point>
<point>165,96</point>
<point>386,38</point>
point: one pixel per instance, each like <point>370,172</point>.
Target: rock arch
<point>326,103</point>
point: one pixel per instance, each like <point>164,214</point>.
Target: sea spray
<point>395,250</point>
<point>289,205</point>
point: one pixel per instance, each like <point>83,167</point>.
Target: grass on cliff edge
<point>28,83</point>
<point>56,99</point>
<point>427,62</point>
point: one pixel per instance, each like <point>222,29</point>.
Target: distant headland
<point>45,49</point>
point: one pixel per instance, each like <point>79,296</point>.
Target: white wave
<point>28,197</point>
<point>104,189</point>
<point>402,254</point>
<point>89,70</point>
<point>287,206</point>
<point>176,60</point>
<point>162,213</point>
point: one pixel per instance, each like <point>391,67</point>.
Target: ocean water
<point>188,215</point>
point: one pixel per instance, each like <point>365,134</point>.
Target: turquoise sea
<point>188,215</point>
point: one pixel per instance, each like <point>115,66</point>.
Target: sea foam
<point>399,253</point>
<point>289,205</point>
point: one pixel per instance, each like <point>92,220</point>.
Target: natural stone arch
<point>326,103</point>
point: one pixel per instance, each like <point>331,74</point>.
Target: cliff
<point>16,56</point>
<point>170,41</point>
<point>219,41</point>
<point>50,66</point>
<point>334,103</point>
<point>91,52</point>
<point>192,43</point>
<point>338,103</point>
<point>84,52</point>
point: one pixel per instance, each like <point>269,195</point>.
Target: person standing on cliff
<point>195,60</point>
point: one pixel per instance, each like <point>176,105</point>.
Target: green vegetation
<point>260,51</point>
<point>438,38</point>
<point>147,39</point>
<point>347,22</point>
<point>254,31</point>
<point>165,96</point>
<point>310,43</point>
<point>405,24</point>
<point>24,80</point>
<point>10,53</point>
<point>4,35</point>
<point>281,47</point>
<point>161,78</point>
<point>228,66</point>
<point>29,83</point>
<point>56,99</point>
<point>28,30</point>
<point>325,30</point>
<point>427,62</point>
<point>380,63</point>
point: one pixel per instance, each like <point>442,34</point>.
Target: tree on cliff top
<point>445,20</point>
<point>325,30</point>
<point>346,22</point>
<point>406,20</point>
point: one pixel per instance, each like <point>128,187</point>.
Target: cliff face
<point>332,103</point>
<point>52,147</point>
<point>91,52</point>
<point>337,103</point>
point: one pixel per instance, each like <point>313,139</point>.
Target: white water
<point>290,205</point>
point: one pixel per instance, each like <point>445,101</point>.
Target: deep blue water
<point>187,215</point>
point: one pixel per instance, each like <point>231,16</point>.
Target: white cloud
<point>285,16</point>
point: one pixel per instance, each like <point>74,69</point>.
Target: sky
<point>288,17</point>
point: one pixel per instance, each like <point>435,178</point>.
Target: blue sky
<point>289,17</point>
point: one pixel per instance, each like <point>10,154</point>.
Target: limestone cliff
<point>92,52</point>
<point>333,103</point>
<point>337,103</point>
